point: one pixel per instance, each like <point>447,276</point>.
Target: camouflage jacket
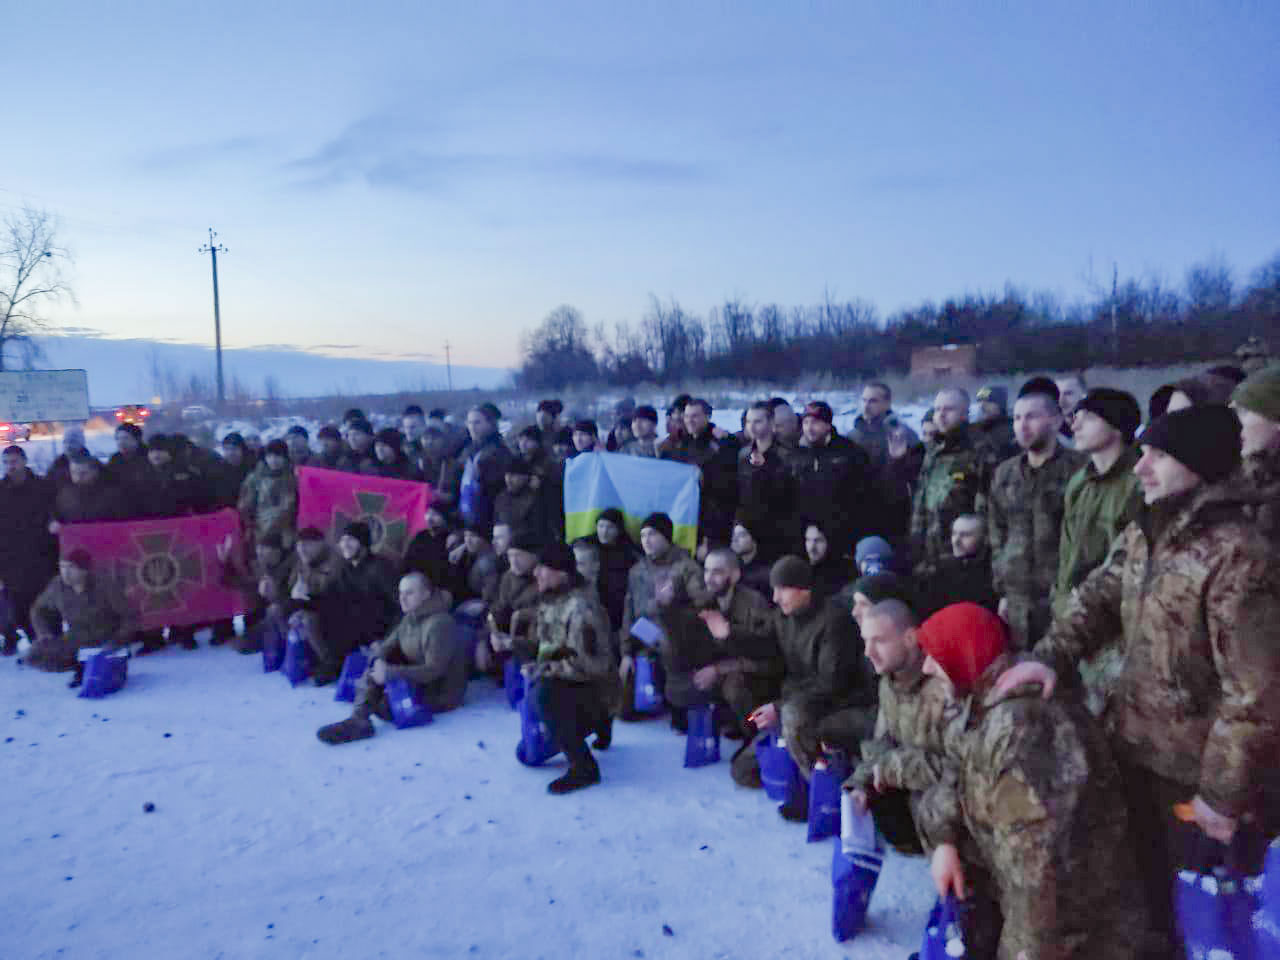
<point>312,579</point>
<point>426,649</point>
<point>102,616</point>
<point>247,578</point>
<point>1193,591</point>
<point>952,482</point>
<point>514,593</point>
<point>1262,473</point>
<point>1031,796</point>
<point>994,440</point>
<point>907,743</point>
<point>641,448</point>
<point>269,502</point>
<point>1096,509</point>
<point>642,586</point>
<point>571,636</point>
<point>1024,522</point>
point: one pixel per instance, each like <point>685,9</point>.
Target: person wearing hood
<point>1193,589</point>
<point>618,554</point>
<point>833,482</point>
<point>73,447</point>
<point>1028,816</point>
<point>568,659</point>
<point>269,497</point>
<point>830,573</point>
<point>423,649</point>
<point>28,553</point>
<point>1257,404</point>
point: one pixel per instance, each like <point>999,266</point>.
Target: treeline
<point>1134,322</point>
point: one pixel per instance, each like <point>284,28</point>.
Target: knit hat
<point>963,639</point>
<point>885,585</point>
<point>297,430</point>
<point>528,541</point>
<point>558,555</point>
<point>131,428</point>
<point>519,466</point>
<point>165,443</point>
<point>278,447</point>
<point>553,407</point>
<point>79,557</point>
<point>993,394</point>
<point>586,426</point>
<point>791,571</point>
<point>614,516</point>
<point>310,533</point>
<point>1260,393</point>
<point>390,437</point>
<point>1206,389</point>
<point>329,432</point>
<point>1042,387</point>
<point>490,410</point>
<point>360,425</point>
<point>819,409</point>
<point>1206,440</point>
<point>354,413</point>
<point>661,523</point>
<point>233,439</point>
<point>875,551</point>
<point>1118,408</point>
<point>645,412</point>
<point>360,530</point>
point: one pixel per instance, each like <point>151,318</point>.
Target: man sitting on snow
<point>424,648</point>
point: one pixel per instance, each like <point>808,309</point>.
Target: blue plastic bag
<point>944,933</point>
<point>778,771</point>
<point>535,747</point>
<point>407,709</point>
<point>1215,914</point>
<point>648,697</point>
<point>297,652</point>
<point>824,800</point>
<point>105,672</point>
<point>702,742</point>
<point>512,682</point>
<point>1267,919</point>
<point>353,668</point>
<point>856,861</point>
<point>273,644</point>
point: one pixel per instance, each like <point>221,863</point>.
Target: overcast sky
<point>389,176</point>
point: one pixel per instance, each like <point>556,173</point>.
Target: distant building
<point>951,360</point>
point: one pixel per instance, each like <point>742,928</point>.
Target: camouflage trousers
<point>1028,619</point>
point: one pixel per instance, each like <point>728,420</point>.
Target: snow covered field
<point>431,842</point>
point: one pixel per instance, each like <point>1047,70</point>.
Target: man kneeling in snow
<point>78,610</point>
<point>423,648</point>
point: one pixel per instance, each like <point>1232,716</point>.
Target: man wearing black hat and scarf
<point>568,658</point>
<point>1193,589</point>
<point>358,608</point>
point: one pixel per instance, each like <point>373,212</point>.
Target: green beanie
<point>1261,393</point>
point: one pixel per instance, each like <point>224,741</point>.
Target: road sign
<point>30,395</point>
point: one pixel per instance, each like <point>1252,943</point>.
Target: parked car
<point>13,432</point>
<point>197,411</point>
<point>132,413</point>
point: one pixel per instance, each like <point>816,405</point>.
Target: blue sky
<point>388,176</point>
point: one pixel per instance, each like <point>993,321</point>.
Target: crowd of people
<point>1029,637</point>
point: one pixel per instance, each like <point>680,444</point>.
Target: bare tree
<point>30,280</point>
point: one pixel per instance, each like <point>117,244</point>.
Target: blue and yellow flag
<point>638,486</point>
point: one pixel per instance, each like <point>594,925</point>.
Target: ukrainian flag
<point>638,486</point>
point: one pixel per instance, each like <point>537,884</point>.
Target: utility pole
<point>448,365</point>
<point>213,249</point>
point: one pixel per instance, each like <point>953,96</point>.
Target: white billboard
<point>30,395</point>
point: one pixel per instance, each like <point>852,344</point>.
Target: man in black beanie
<point>569,658</point>
<point>824,670</point>
<point>1193,588</point>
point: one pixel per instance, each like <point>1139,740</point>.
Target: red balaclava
<point>963,639</point>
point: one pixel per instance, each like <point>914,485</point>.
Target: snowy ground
<point>423,843</point>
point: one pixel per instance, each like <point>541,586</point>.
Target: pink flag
<point>394,509</point>
<point>168,568</point>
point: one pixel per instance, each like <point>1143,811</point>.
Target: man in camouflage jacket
<point>1028,819</point>
<point>1024,512</point>
<point>1192,589</point>
<point>269,496</point>
<point>952,481</point>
